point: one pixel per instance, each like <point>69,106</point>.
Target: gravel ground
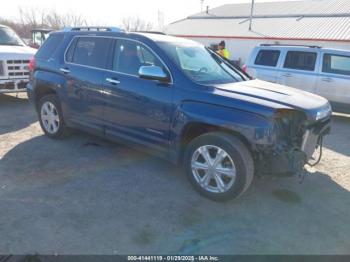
<point>84,195</point>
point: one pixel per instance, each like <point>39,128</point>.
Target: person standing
<point>223,51</point>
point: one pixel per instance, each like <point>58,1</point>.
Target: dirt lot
<point>84,195</point>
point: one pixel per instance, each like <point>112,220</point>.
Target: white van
<point>322,71</point>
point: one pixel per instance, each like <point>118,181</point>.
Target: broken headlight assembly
<point>290,127</point>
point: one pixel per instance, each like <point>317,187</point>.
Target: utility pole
<point>251,16</point>
<point>202,2</point>
<point>160,20</point>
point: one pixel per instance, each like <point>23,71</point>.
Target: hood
<point>275,96</point>
<point>8,52</point>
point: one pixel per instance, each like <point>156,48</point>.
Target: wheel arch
<point>48,83</point>
<point>42,91</point>
<point>195,129</point>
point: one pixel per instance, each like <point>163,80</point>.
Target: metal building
<point>324,23</point>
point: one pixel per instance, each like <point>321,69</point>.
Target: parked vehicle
<point>179,100</point>
<point>39,35</point>
<point>322,71</point>
<point>14,60</point>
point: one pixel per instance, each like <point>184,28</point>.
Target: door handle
<point>327,79</point>
<point>112,81</point>
<point>65,70</point>
<point>287,75</point>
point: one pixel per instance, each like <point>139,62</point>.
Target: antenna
<point>202,3</point>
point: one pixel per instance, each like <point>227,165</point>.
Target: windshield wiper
<point>224,60</point>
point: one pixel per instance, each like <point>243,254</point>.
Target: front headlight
<point>324,112</point>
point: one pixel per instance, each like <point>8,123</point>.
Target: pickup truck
<point>15,57</point>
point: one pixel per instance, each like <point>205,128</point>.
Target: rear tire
<point>51,117</point>
<point>230,170</point>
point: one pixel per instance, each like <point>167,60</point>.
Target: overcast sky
<point>112,11</point>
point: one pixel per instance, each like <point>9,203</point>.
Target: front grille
<point>7,86</point>
<point>17,68</point>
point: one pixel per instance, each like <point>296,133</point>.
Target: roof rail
<point>310,46</point>
<point>93,28</point>
<point>151,32</point>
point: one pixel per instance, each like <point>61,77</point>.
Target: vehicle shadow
<point>58,192</point>
<point>339,138</point>
<point>15,113</point>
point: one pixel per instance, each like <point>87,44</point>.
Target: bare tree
<point>35,18</point>
<point>55,20</point>
<point>136,24</point>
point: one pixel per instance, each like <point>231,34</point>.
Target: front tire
<point>219,166</point>
<point>51,117</point>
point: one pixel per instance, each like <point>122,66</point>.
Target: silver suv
<point>322,71</point>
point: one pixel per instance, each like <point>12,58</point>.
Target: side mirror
<point>153,73</point>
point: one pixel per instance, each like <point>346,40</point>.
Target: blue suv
<point>178,99</point>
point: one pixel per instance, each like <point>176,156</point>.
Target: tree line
<point>30,19</point>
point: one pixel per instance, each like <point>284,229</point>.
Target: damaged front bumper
<point>283,160</point>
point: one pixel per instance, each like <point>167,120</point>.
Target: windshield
<point>9,37</point>
<point>200,64</point>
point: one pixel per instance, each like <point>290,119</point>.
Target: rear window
<point>90,51</point>
<point>300,60</point>
<point>49,46</point>
<point>336,64</point>
<point>267,57</point>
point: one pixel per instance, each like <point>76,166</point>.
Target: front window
<point>267,57</point>
<point>131,55</point>
<point>9,37</point>
<point>201,65</point>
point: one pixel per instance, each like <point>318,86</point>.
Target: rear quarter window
<point>267,58</point>
<point>300,60</point>
<point>336,64</point>
<point>49,47</point>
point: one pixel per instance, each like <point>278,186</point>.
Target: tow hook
<point>302,175</point>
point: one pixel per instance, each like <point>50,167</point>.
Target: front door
<point>137,109</point>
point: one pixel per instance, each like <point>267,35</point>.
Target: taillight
<point>31,65</point>
<point>244,68</point>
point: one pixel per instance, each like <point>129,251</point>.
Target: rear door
<point>299,70</point>
<point>86,61</point>
<point>264,65</point>
<point>334,80</point>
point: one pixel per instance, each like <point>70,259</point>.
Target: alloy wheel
<point>213,169</point>
<point>49,117</point>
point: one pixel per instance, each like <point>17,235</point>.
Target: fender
<point>254,128</point>
<point>54,81</point>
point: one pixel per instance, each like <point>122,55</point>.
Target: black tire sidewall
<point>55,101</point>
<point>229,146</point>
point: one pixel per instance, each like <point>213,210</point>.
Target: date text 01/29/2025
<point>173,258</point>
